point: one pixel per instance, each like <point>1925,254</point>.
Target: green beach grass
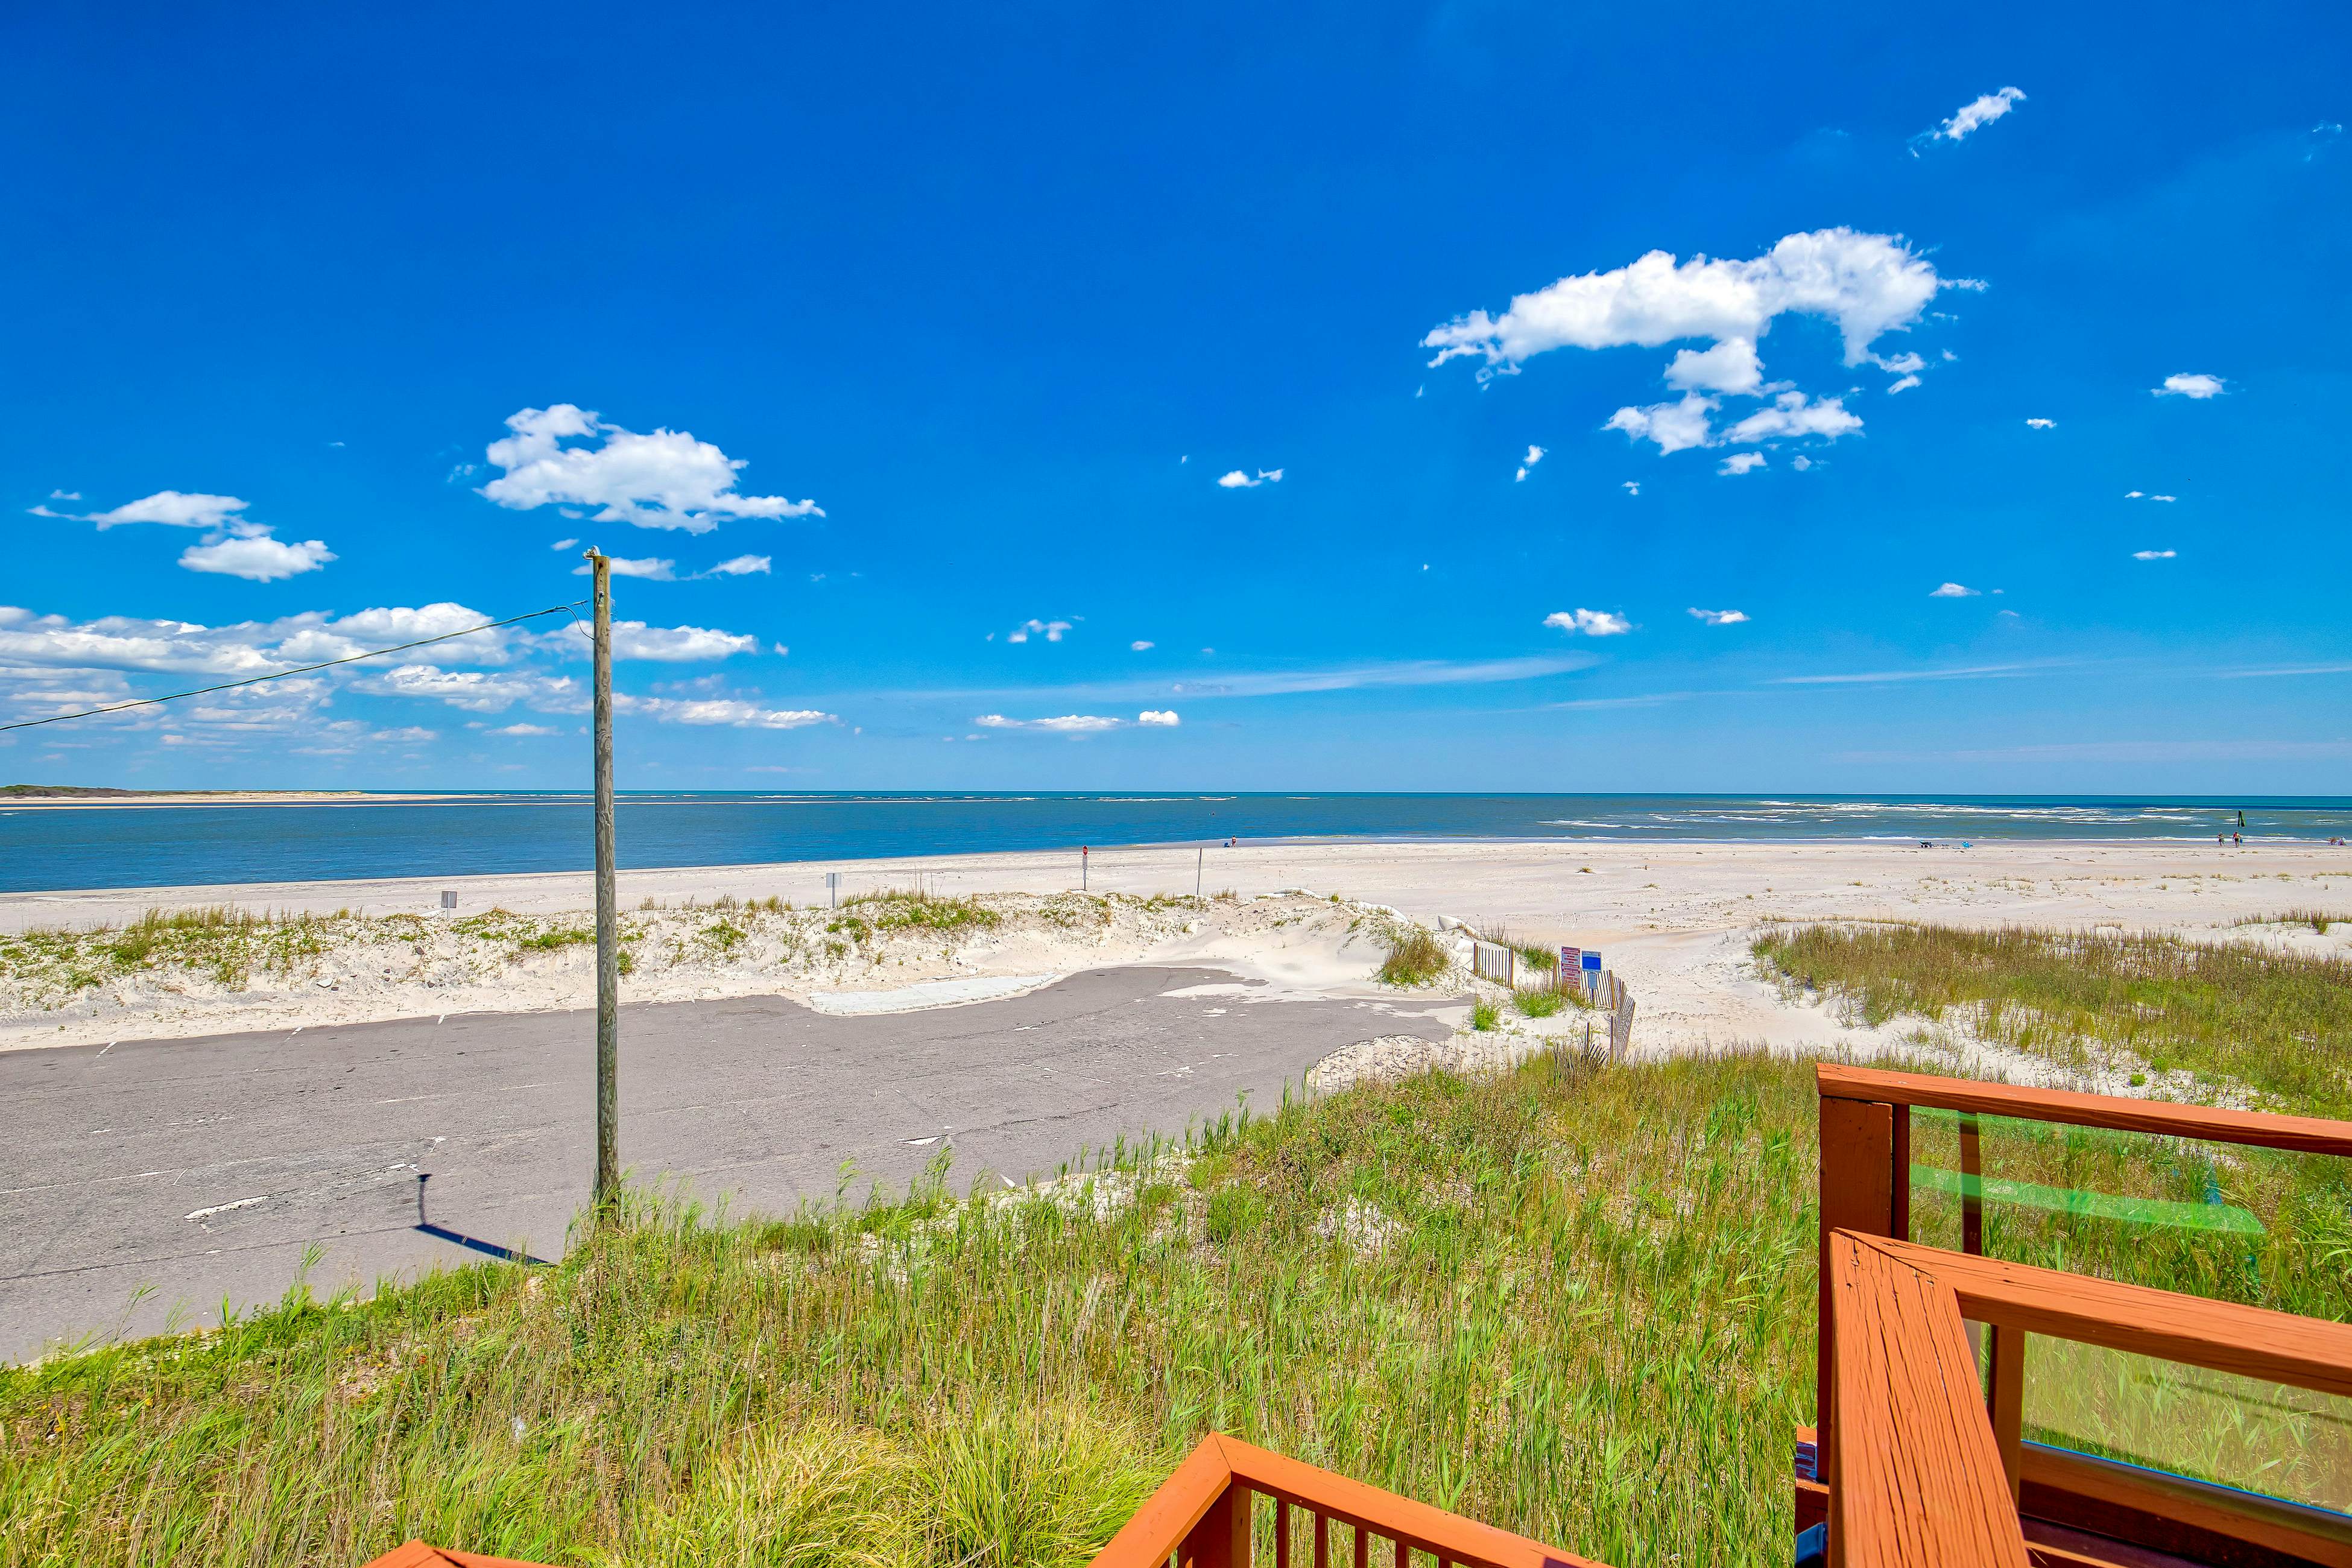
<point>1574,1302</point>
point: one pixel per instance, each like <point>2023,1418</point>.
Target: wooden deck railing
<point>1865,1171</point>
<point>1205,1515</point>
<point>1865,1143</point>
<point>1915,1472</point>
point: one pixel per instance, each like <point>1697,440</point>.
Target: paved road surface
<point>203,1169</point>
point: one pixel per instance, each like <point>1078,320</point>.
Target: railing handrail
<point>2212,1124</point>
<point>1158,1528</point>
<point>1418,1525</point>
<point>1918,1479</point>
<point>1219,1463</point>
<point>2195,1331</point>
<point>419,1555</point>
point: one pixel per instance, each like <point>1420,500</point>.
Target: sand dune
<point>1675,920</point>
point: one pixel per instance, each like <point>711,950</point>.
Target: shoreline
<point>1673,920</point>
<point>291,893</point>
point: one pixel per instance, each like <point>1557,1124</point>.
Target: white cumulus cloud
<point>1792,415</point>
<point>172,509</point>
<point>2196,385</point>
<point>1953,591</point>
<point>247,550</point>
<point>1165,717</point>
<point>1741,463</point>
<point>2154,554</point>
<point>1590,623</point>
<point>2042,425</point>
<point>1870,284</point>
<point>479,690</point>
<point>664,479</point>
<point>1535,455</point>
<point>1977,113</point>
<point>525,729</point>
<point>1238,480</point>
<point>1719,618</point>
<point>677,645</point>
<point>1675,426</point>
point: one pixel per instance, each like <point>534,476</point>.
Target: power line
<point>299,670</point>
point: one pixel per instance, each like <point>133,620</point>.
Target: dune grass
<point>2279,1023</point>
<point>913,909</point>
<point>2317,919</point>
<point>1538,1003</point>
<point>1576,1301</point>
<point>1525,1301</point>
<point>1415,957</point>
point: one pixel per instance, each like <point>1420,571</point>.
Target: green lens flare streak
<point>2089,1206</point>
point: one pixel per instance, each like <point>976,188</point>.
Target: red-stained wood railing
<point>1205,1516</point>
<point>417,1555</point>
<point>1865,1143</point>
<point>1915,1472</point>
<point>1865,1165</point>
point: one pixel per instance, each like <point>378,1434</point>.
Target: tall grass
<point>1415,957</point>
<point>2232,1012</point>
<point>1527,1301</point>
<point>917,910</point>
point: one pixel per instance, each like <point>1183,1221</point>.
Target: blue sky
<point>323,330</point>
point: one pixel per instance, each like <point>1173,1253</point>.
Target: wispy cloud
<point>2279,671</point>
<point>1052,631</point>
<point>1527,464</point>
<point>1718,618</point>
<point>1953,591</point>
<point>733,712</point>
<point>1067,724</point>
<point>1273,683</point>
<point>2154,554</point>
<point>1888,677</point>
<point>2042,425</point>
<point>1972,117</point>
<point>1238,480</point>
<point>1741,463</point>
<point>650,568</point>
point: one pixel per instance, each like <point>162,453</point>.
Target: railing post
<point>1858,1194</point>
<point>1971,1187</point>
<point>2007,1403</point>
<point>1221,1539</point>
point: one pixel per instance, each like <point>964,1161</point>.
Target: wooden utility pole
<point>608,913</point>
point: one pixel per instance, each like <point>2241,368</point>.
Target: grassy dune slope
<point>1528,1300</point>
<point>1574,1302</point>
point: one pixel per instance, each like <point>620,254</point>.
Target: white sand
<point>1674,920</point>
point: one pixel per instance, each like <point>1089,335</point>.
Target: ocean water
<point>167,846</point>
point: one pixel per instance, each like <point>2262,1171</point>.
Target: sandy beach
<point>1674,922</point>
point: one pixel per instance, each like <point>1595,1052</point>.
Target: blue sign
<point>1593,958</point>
